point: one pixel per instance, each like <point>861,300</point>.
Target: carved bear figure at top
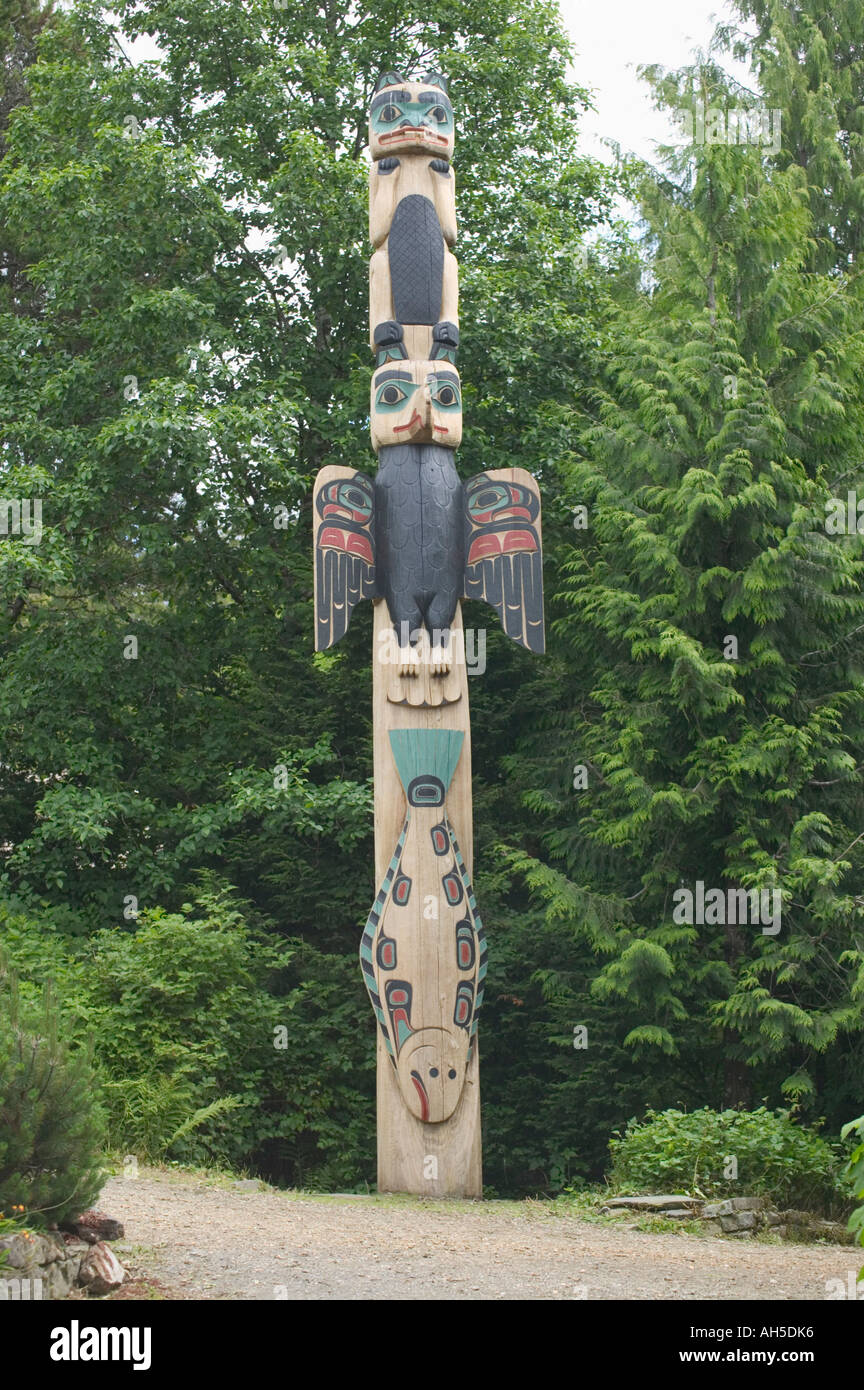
<point>413,277</point>
<point>411,115</point>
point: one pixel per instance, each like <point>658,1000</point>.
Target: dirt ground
<point>193,1238</point>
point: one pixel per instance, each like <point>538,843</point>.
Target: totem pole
<point>415,540</point>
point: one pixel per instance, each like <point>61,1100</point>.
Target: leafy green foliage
<point>182,345</point>
<point>709,626</point>
<point>217,1044</point>
<point>197,223</point>
<point>810,67</point>
<point>675,1151</point>
<point>854,1174</point>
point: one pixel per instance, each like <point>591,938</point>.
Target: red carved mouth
<point>442,429</point>
<point>415,419</point>
<point>421,1091</point>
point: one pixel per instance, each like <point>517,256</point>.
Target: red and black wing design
<point>344,550</point>
<point>504,551</point>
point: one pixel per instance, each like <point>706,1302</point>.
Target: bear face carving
<point>406,116</point>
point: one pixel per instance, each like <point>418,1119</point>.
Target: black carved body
<point>415,249</point>
<point>419,526</point>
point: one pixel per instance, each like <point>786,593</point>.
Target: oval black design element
<point>453,888</point>
<point>465,952</point>
<point>464,1005</point>
<point>386,953</point>
<point>426,791</point>
<point>440,838</point>
<point>415,249</point>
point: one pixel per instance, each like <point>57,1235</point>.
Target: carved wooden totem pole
<point>416,540</point>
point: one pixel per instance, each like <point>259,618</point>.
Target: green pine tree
<point>51,1127</point>
<point>716,622</point>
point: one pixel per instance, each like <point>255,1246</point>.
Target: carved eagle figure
<point>419,537</point>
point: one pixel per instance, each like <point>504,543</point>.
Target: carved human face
<point>416,403</point>
<point>411,116</point>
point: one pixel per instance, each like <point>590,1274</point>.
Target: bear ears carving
<point>432,79</point>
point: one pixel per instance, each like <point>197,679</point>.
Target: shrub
<point>50,1126</point>
<point>216,1045</point>
<point>854,1175</point>
<point>692,1152</point>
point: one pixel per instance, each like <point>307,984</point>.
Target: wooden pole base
<point>444,1159</point>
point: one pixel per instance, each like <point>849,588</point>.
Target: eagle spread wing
<point>503,551</point>
<point>344,550</point>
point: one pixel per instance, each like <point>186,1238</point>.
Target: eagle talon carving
<point>408,661</point>
<point>439,660</point>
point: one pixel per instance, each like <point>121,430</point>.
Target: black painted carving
<point>445,342</point>
<point>422,539</point>
<point>503,559</point>
<point>415,247</point>
<point>344,553</point>
<point>419,516</point>
<point>416,536</point>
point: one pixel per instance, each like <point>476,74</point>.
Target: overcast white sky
<point>613,36</point>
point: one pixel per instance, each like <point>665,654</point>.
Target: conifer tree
<point>718,624</point>
<point>808,58</point>
<point>51,1128</point>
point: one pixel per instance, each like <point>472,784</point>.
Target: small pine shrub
<point>51,1129</point>
<point>674,1151</point>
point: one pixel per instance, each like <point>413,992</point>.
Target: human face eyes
<point>391,395</point>
<point>446,395</point>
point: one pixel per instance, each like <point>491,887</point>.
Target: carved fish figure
<point>423,953</point>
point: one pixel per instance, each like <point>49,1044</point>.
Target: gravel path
<point>206,1241</point>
